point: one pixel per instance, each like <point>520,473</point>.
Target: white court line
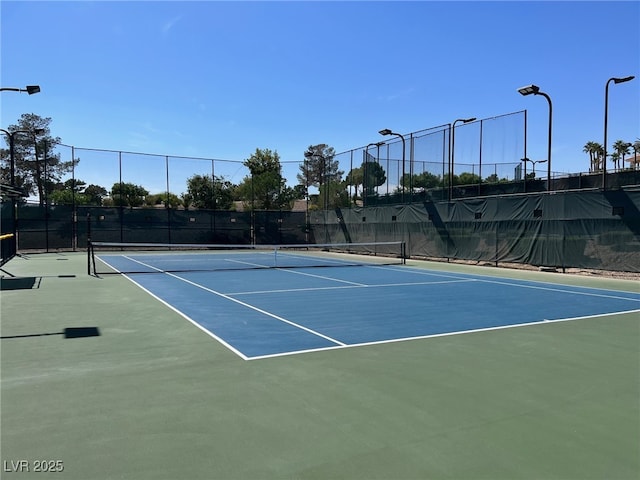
<point>259,310</point>
<point>459,278</point>
<point>189,319</point>
<point>323,277</point>
<point>447,334</point>
<point>299,273</point>
<point>561,290</point>
<point>341,287</point>
<point>555,287</point>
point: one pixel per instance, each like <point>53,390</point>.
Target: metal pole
<point>411,159</point>
<point>480,161</point>
<point>364,175</point>
<point>14,203</point>
<point>606,108</point>
<point>378,162</point>
<point>306,216</point>
<point>403,162</point>
<point>212,223</point>
<point>46,198</point>
<point>548,141</point>
<point>451,153</point>
<point>120,198</point>
<point>88,243</point>
<point>451,159</point>
<point>168,205</point>
<point>74,211</point>
<point>604,159</point>
<point>525,151</point>
<point>444,152</point>
<point>12,172</point>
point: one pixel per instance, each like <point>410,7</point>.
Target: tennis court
<point>276,311</point>
<point>375,370</point>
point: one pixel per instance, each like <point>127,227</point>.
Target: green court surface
<point>103,381</point>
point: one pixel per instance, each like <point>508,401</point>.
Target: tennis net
<point>113,257</point>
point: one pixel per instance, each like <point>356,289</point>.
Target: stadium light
<point>453,140</point>
<point>30,89</point>
<point>535,90</point>
<point>529,89</point>
<point>387,131</point>
<point>615,80</point>
<point>533,163</point>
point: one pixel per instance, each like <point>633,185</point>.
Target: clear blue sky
<point>220,79</point>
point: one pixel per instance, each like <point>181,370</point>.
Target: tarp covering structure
<point>595,230</point>
<point>587,229</point>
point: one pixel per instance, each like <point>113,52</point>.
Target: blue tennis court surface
<point>271,312</point>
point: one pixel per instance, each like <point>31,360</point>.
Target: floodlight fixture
<point>623,79</point>
<point>385,131</point>
<point>30,89</point>
<point>529,89</point>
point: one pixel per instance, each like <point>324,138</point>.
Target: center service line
<point>264,312</point>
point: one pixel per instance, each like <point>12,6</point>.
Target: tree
<point>467,178</point>
<point>265,187</point>
<point>595,152</point>
<point>34,157</point>
<point>615,158</point>
<point>332,195</point>
<point>74,191</point>
<point>168,200</point>
<point>95,193</point>
<point>128,194</point>
<point>320,170</point>
<point>354,178</point>
<point>493,178</point>
<point>373,176</point>
<point>319,166</point>
<point>205,191</point>
<point>421,181</point>
<point>621,148</point>
<point>636,149</point>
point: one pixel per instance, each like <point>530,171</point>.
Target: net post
<point>403,252</point>
<point>89,246</point>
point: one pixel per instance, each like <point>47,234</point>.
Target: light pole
<point>30,89</point>
<point>387,131</point>
<point>451,150</point>
<point>365,169</point>
<point>43,191</point>
<point>12,181</point>
<point>606,108</point>
<point>533,163</point>
<point>12,160</point>
<point>535,90</point>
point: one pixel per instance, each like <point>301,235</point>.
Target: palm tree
<point>621,148</point>
<point>595,151</point>
<point>615,158</point>
<point>636,149</point>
